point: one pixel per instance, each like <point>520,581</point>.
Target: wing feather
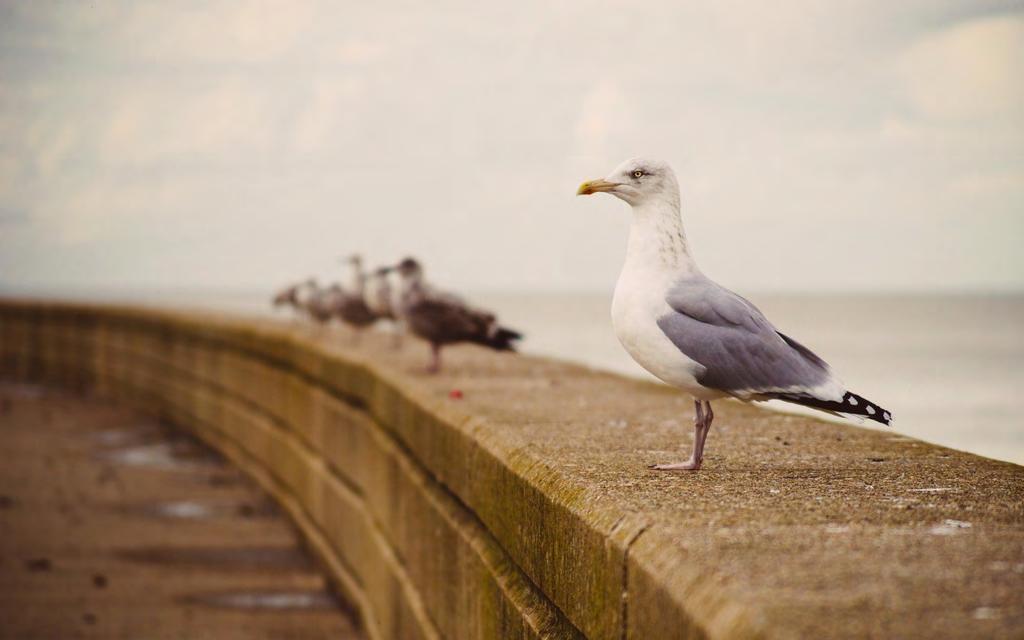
<point>741,352</point>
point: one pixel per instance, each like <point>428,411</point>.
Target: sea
<point>950,368</point>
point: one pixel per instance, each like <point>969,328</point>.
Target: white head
<point>638,181</point>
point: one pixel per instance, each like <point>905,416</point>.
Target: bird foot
<point>689,465</point>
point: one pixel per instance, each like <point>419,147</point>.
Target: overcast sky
<point>856,145</point>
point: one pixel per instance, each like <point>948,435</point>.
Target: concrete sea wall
<point>521,506</point>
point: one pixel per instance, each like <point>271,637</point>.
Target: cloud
<point>190,138</point>
<point>153,123</point>
<point>969,71</point>
<point>220,31</point>
<point>604,112</point>
<point>358,51</point>
<point>325,113</point>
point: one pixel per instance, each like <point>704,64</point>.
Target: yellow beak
<point>595,186</point>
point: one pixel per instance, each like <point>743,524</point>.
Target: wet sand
<point>114,526</point>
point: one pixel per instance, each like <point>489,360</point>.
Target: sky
<point>821,146</point>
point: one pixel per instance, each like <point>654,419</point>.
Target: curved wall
<point>414,560</point>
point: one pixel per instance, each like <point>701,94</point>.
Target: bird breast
<point>638,303</point>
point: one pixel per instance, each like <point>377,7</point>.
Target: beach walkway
<point>115,526</point>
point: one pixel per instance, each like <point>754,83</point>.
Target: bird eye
<point>638,173</point>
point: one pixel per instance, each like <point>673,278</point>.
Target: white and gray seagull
<point>694,334</point>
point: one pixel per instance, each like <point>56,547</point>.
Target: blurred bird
<point>350,304</point>
<point>381,299</point>
<point>299,297</point>
<point>288,297</point>
<point>694,334</point>
<point>441,318</point>
<point>379,296</point>
<point>319,303</point>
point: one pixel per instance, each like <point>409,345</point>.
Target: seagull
<point>318,302</point>
<point>288,297</point>
<point>350,305</point>
<point>696,335</point>
<point>297,296</point>
<point>381,300</point>
<point>442,318</point>
<point>379,296</point>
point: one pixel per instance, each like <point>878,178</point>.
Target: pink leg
<point>703,415</point>
<point>709,415</point>
<point>435,359</point>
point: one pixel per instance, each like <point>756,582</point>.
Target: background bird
<point>319,302</point>
<point>380,297</point>
<point>288,297</point>
<point>441,318</point>
<point>693,333</point>
<point>350,304</point>
<point>379,293</point>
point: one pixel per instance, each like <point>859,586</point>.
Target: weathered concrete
<point>115,526</point>
<point>525,509</point>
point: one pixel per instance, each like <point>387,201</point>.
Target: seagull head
<point>409,269</point>
<point>637,181</point>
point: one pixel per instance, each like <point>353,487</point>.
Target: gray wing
<point>740,351</point>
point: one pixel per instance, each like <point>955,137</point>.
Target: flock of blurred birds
<point>413,306</point>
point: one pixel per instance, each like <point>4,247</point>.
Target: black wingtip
<point>851,404</point>
<point>859,406</point>
<point>504,339</point>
